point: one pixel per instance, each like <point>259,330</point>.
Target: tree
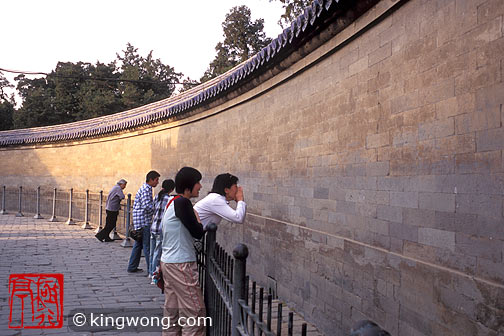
<point>242,39</point>
<point>68,94</point>
<point>100,97</point>
<point>222,62</point>
<point>293,8</point>
<point>38,103</point>
<point>155,81</point>
<point>6,104</point>
<point>188,83</point>
<point>78,91</point>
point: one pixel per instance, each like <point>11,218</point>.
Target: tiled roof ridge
<point>176,105</point>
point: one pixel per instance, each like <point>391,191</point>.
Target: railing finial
<point>240,251</point>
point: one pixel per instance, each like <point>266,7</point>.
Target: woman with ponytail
<point>156,238</point>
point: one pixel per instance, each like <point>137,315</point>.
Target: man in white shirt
<point>215,206</point>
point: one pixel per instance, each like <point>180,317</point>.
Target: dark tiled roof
<point>315,19</point>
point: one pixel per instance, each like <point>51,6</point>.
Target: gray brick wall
<point>374,178</point>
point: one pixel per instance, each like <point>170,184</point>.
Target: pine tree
<point>243,38</point>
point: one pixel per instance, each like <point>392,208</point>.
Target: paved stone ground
<point>95,274</point>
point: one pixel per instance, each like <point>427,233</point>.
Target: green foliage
<point>6,105</point>
<point>242,39</point>
<point>187,84</point>
<point>67,95</point>
<point>293,8</point>
<point>156,78</point>
<point>78,91</point>
<point>98,98</point>
<point>6,115</point>
<point>38,107</point>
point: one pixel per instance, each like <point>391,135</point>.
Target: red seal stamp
<point>36,301</point>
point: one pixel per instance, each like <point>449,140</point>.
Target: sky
<point>36,34</point>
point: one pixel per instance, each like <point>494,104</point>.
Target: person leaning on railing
<point>215,206</point>
<point>112,208</point>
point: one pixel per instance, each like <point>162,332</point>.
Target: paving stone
<point>92,270</point>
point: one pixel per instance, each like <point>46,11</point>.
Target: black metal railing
<point>226,289</point>
<point>218,281</point>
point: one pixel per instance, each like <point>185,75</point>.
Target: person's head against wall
<point>187,182</point>
<point>166,188</point>
<point>152,178</point>
<point>225,185</point>
<point>122,183</point>
<point>168,185</point>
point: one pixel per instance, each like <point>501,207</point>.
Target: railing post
<point>70,221</point>
<point>53,217</point>
<point>4,211</point>
<point>86,215</point>
<point>20,213</point>
<point>210,237</point>
<point>100,214</point>
<point>127,241</point>
<point>211,230</point>
<point>38,216</point>
<point>240,254</point>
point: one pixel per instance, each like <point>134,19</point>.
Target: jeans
<point>136,253</point>
<point>156,241</point>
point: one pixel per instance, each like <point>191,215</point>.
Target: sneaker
<point>153,282</point>
<point>135,270</point>
<point>100,239</point>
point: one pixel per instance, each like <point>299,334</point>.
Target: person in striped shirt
<point>143,209</point>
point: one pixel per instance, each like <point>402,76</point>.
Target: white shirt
<point>214,207</point>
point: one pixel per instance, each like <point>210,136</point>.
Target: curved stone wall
<point>372,167</point>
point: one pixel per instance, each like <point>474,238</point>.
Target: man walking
<point>143,209</point>
<point>113,206</point>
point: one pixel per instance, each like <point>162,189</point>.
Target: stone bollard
<point>53,217</point>
<point>38,216</point>
<point>70,220</point>
<point>20,213</point>
<point>4,211</point>
<point>86,215</point>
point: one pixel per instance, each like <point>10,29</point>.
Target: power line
<point>92,78</point>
